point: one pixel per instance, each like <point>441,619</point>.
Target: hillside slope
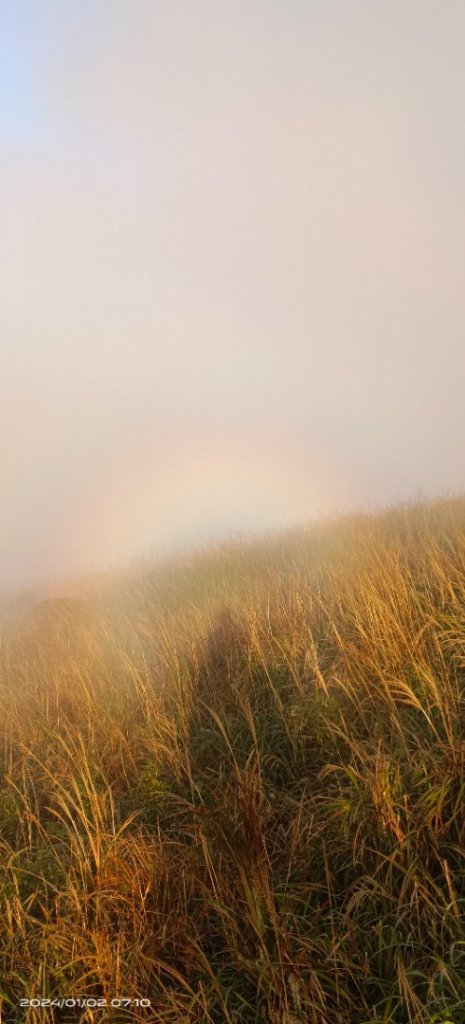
<point>234,785</point>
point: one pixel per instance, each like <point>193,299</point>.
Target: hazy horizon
<point>232,269</point>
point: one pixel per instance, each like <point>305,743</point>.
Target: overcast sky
<point>232,268</point>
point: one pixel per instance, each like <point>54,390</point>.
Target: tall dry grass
<point>235,785</point>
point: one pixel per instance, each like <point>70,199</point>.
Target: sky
<point>232,269</point>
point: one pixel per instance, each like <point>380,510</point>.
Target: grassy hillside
<point>235,785</point>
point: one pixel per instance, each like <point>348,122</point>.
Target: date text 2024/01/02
<point>70,1002</point>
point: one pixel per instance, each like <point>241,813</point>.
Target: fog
<point>232,269</point>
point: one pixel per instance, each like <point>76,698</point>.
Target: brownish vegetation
<point>235,786</point>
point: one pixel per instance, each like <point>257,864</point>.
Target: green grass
<point>235,784</point>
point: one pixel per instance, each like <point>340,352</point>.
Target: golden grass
<point>235,784</point>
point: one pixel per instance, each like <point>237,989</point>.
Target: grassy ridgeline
<point>235,785</point>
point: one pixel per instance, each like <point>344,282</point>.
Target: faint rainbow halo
<point>154,502</point>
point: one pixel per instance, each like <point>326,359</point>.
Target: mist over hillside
<point>232,279</point>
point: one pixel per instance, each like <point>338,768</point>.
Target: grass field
<point>234,785</point>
